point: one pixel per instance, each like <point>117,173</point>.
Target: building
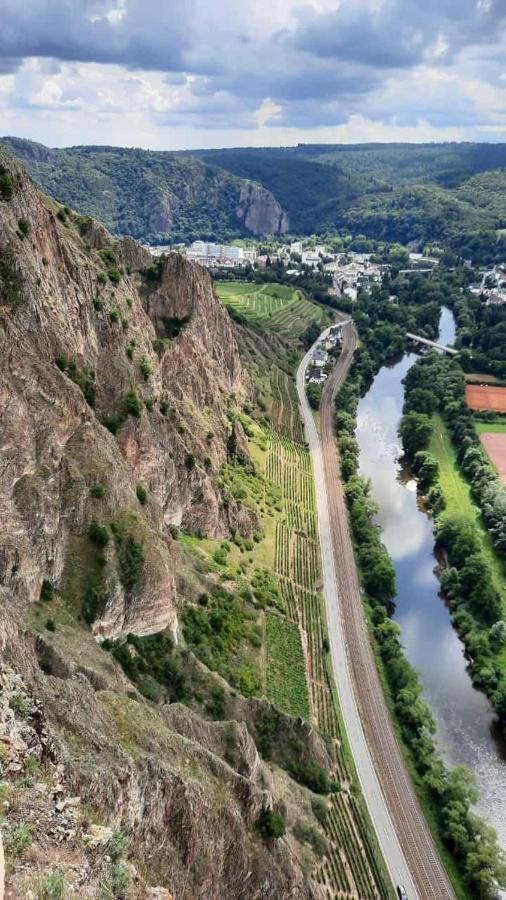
<point>320,358</point>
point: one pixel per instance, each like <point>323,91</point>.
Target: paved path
<point>402,832</point>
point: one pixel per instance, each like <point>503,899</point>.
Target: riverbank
<point>410,542</point>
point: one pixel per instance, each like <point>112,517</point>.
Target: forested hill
<point>151,195</point>
<point>396,192</point>
<point>450,193</point>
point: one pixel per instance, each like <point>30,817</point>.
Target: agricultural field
<point>350,868</point>
<point>495,446</point>
<point>286,682</point>
<point>486,397</point>
<point>275,307</point>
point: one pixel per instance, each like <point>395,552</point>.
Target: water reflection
<point>466,727</point>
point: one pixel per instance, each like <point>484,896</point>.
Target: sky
<point>184,74</point>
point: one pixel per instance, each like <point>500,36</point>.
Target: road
<point>402,832</point>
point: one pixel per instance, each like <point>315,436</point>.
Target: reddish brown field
<point>495,445</point>
<point>486,396</point>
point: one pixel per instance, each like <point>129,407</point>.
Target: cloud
<point>189,66</point>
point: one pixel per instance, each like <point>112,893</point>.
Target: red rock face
<point>53,444</point>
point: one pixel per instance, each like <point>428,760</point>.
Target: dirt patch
<point>495,445</point>
<point>484,396</point>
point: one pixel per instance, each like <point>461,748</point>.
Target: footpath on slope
<point>403,834</point>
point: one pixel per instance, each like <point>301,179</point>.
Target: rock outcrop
<point>151,195</point>
<point>87,339</point>
<point>260,211</point>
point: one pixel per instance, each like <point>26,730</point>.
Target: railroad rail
<point>404,837</point>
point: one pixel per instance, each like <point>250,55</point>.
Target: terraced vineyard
<point>296,649</point>
<point>275,306</point>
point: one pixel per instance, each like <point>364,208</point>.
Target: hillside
<point>167,727</point>
<point>452,193</point>
<point>151,196</point>
<point>388,192</point>
<point>115,391</point>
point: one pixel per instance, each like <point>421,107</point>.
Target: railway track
<point>403,834</point>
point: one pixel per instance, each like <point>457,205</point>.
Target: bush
<point>46,591</point>
<point>146,368</point>
<point>102,278</point>
<point>319,811</point>
<point>24,227</point>
<point>98,534</point>
<point>311,774</point>
<point>130,560</point>
<point>114,275</point>
<point>142,494</point>
<point>51,886</point>
<point>51,625</point>
<point>94,601</point>
<point>189,461</point>
<point>97,490</point>
<point>271,824</point>
<point>6,184</point>
<point>307,835</point>
<point>17,838</point>
<point>114,315</point>
<point>115,883</point>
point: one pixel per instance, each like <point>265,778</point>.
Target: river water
<point>466,726</point>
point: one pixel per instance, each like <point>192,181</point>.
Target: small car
<point>401,893</point>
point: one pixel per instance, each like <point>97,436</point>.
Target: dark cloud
<point>318,69</point>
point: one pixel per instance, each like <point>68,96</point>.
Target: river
<point>466,727</point>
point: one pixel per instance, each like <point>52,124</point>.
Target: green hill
<point>150,195</point>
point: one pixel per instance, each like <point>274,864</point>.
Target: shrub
<point>146,368</point>
<point>102,278</point>
<point>142,494</point>
<point>51,886</point>
<point>6,184</point>
<point>98,303</point>
<point>114,315</point>
<point>97,490</point>
<point>189,461</point>
<point>271,824</point>
<point>98,534</point>
<point>311,774</point>
<point>307,835</point>
<point>319,811</point>
<point>17,838</point>
<point>24,227</point>
<point>20,703</point>
<point>108,256</point>
<point>94,601</point>
<point>114,275</point>
<point>115,883</point>
<point>117,845</point>
<point>61,215</point>
<point>46,591</point>
<point>132,404</point>
<point>51,625</point>
<point>130,560</point>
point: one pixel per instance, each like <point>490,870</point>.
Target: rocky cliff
<point>260,211</point>
<point>118,377</point>
<point>87,341</point>
<point>152,195</point>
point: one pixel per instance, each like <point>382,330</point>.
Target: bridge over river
<point>433,344</point>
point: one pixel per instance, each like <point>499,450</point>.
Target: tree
<point>415,431</point>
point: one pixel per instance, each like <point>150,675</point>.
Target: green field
<point>276,307</point>
<point>490,427</point>
<point>285,668</point>
<point>457,494</point>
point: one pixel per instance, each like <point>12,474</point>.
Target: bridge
<point>425,341</point>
